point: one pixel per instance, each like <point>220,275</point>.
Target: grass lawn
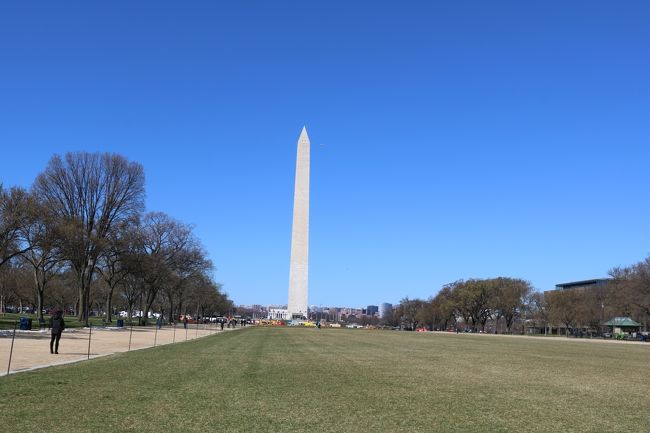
<point>335,380</point>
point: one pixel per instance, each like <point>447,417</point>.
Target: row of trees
<point>82,225</point>
<point>474,301</point>
<point>503,304</point>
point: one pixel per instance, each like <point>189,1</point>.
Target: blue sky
<point>449,139</point>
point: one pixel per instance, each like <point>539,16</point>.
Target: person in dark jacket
<point>57,325</point>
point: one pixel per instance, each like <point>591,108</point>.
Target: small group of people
<point>234,322</point>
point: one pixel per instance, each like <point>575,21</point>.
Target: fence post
<point>90,334</point>
<point>130,336</point>
<point>174,338</point>
<point>196,334</point>
<point>155,336</point>
<point>11,351</point>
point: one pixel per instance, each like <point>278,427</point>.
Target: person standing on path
<point>57,325</point>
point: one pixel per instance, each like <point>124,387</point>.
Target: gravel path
<point>31,349</point>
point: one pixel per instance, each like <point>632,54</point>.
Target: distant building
<point>278,312</point>
<point>331,314</point>
<point>348,311</point>
<point>584,284</point>
<point>371,310</point>
<point>386,310</point>
<point>255,311</point>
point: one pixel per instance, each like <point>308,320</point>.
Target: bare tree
<point>13,205</point>
<point>62,291</point>
<point>190,263</point>
<point>538,309</point>
<point>472,300</point>
<point>204,294</point>
<point>8,286</point>
<point>89,193</point>
<point>508,298</point>
<point>40,251</point>
<point>425,315</point>
<point>162,243</point>
<point>459,300</point>
<point>629,291</point>
<point>633,284</point>
<point>564,307</point>
<point>409,313</point>
<point>20,284</point>
<point>443,308</point>
<point>112,265</point>
<point>132,287</point>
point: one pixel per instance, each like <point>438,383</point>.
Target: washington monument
<point>298,268</point>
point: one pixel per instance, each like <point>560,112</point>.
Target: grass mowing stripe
<point>296,380</point>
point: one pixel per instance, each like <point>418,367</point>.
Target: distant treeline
<point>510,305</point>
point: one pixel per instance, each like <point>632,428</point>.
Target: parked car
<point>354,326</point>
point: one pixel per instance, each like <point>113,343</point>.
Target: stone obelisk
<point>298,269</point>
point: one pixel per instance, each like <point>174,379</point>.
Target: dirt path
<point>31,349</point>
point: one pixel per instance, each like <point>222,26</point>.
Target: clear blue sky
<point>450,139</point>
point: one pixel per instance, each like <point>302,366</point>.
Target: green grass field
<point>334,380</point>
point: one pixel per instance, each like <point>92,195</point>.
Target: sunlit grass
<point>310,380</point>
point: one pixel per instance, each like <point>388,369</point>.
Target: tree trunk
<point>171,307</point>
<point>151,297</point>
<point>483,322</point>
<point>82,312</point>
<point>85,280</point>
<point>109,306</point>
<point>40,290</point>
<point>180,306</point>
<point>129,312</point>
<point>145,314</point>
<point>509,320</point>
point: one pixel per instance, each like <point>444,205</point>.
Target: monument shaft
<point>299,264</point>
